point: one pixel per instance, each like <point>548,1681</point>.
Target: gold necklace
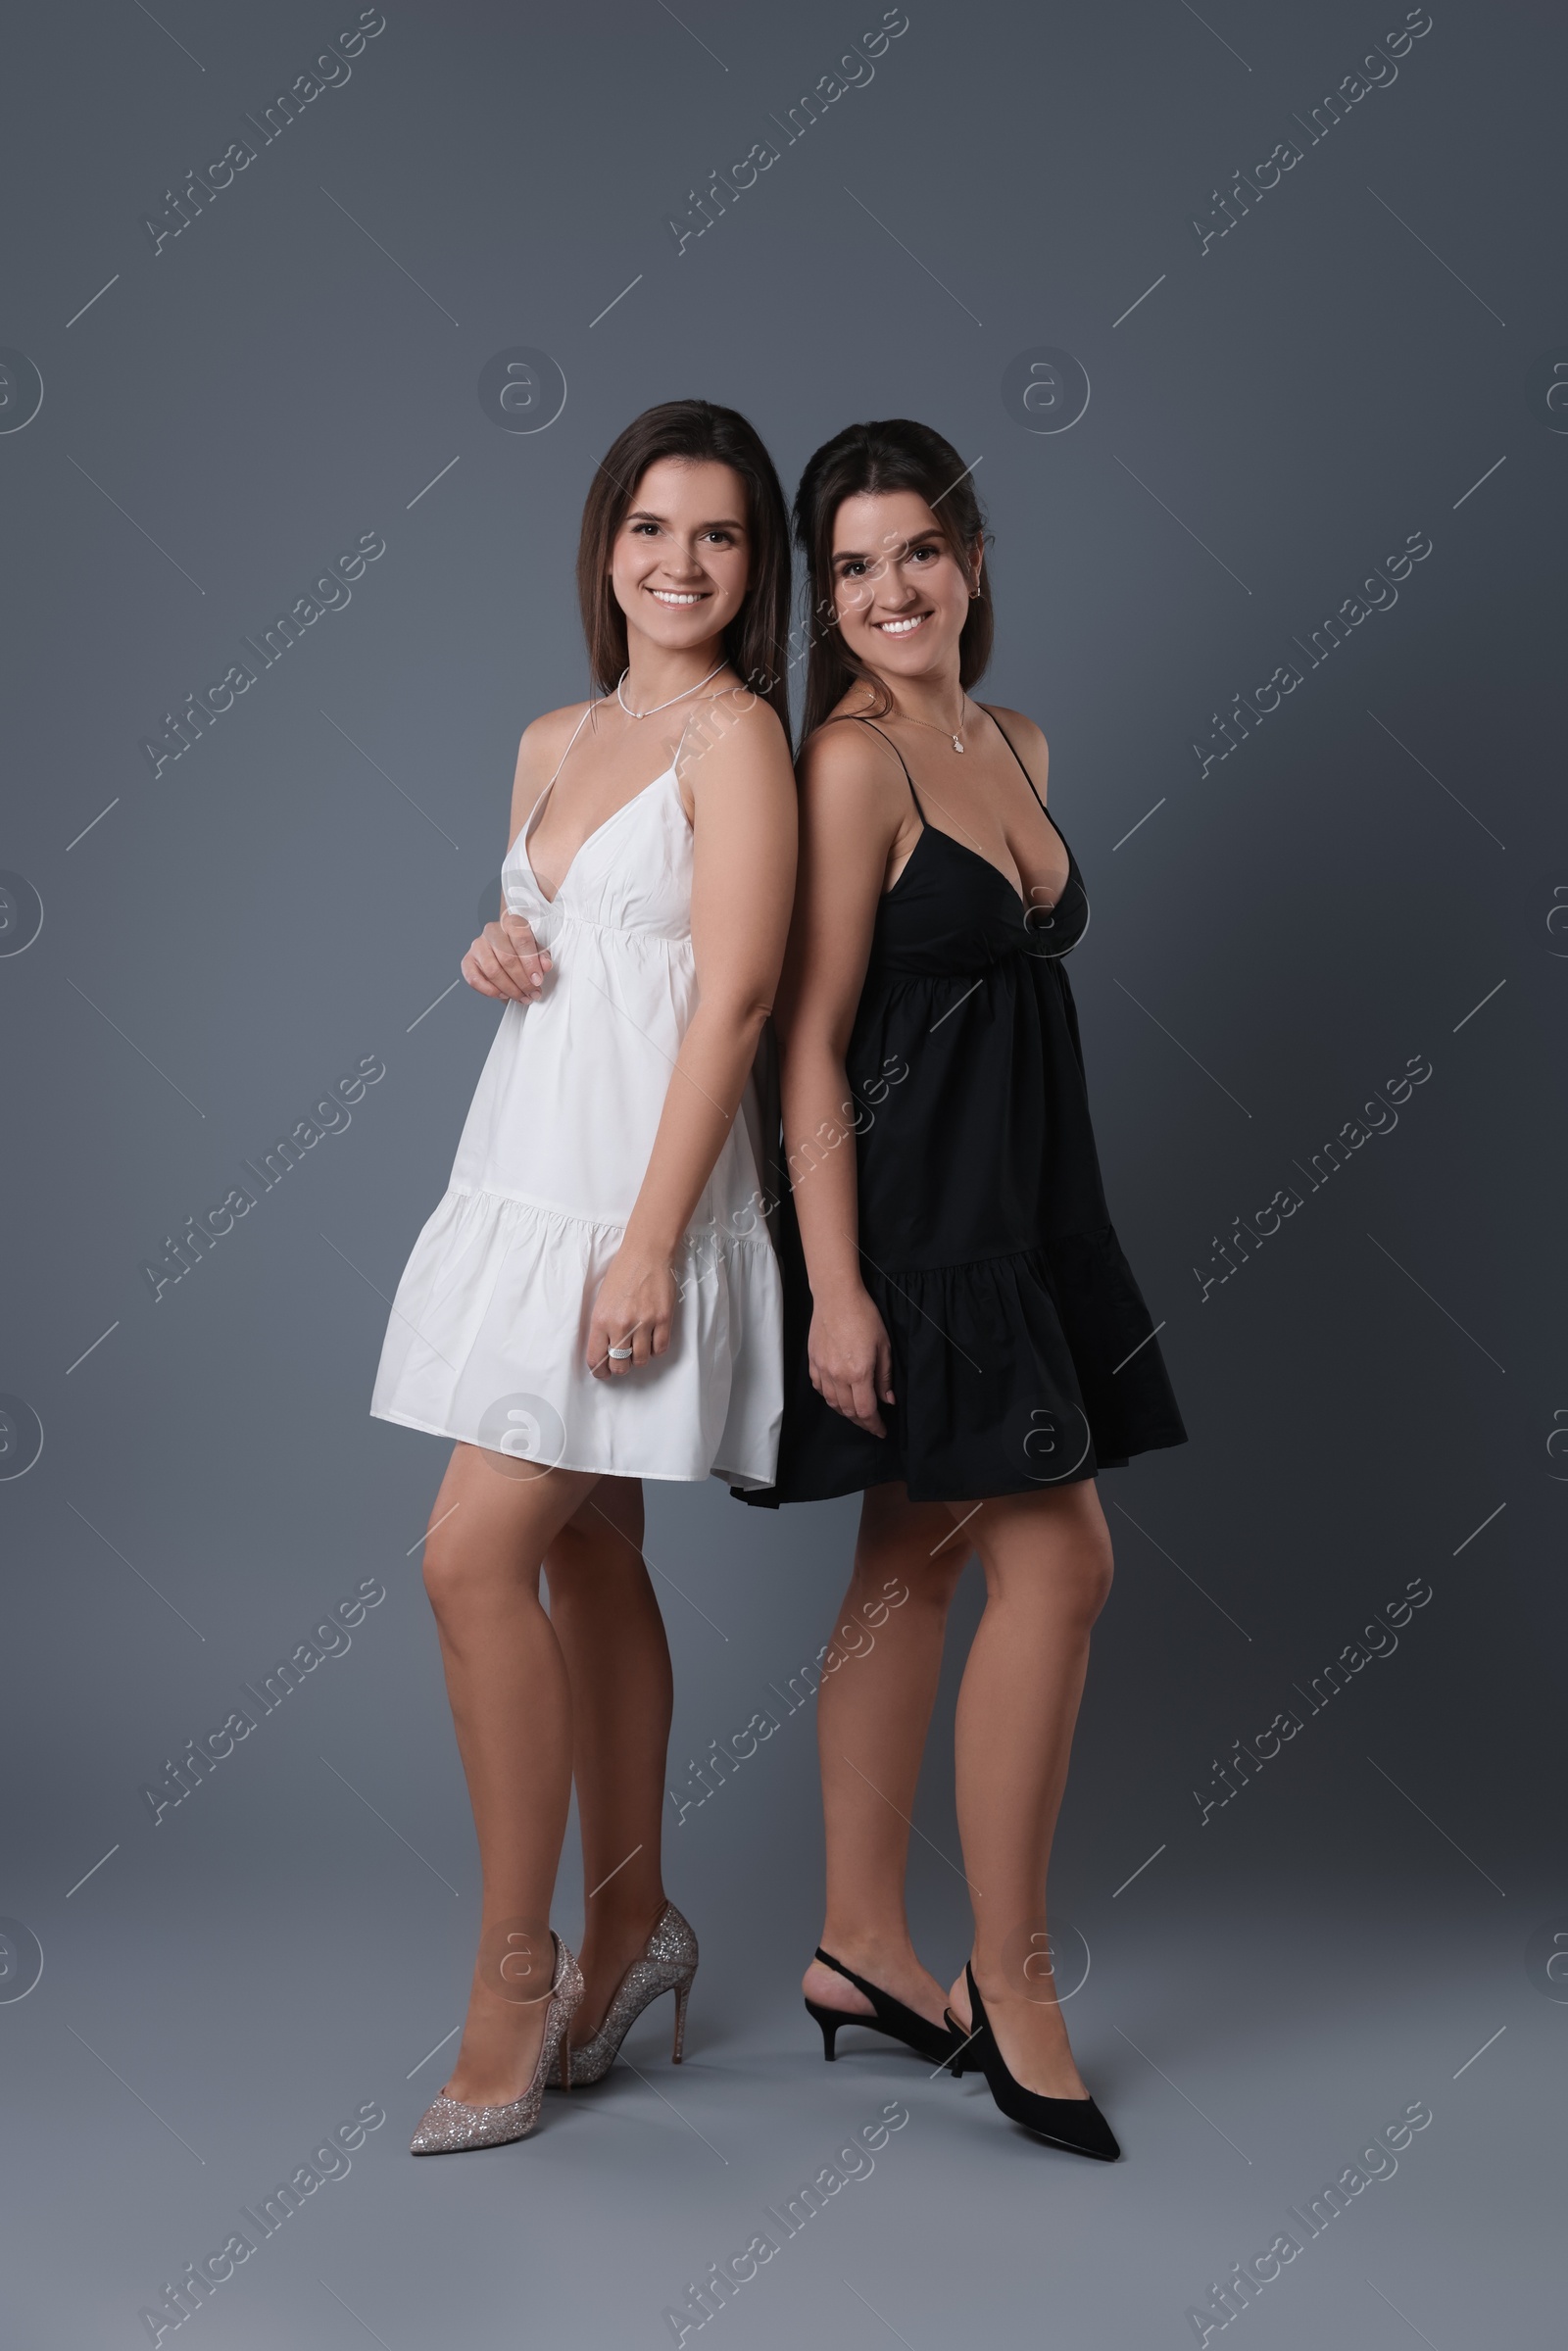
<point>956,738</point>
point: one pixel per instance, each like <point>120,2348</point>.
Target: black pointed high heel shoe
<point>1075,2124</point>
<point>933,2041</point>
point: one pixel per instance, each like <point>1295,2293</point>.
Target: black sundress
<point>1023,1354</point>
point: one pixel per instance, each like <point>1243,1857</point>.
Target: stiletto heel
<point>830,2019</point>
<point>1075,2124</point>
<point>965,2059</point>
<point>667,1963</point>
<point>888,2016</point>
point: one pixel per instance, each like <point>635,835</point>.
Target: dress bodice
<point>632,874</point>
<point>952,910</point>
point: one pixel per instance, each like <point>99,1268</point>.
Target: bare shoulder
<point>734,739</point>
<point>735,716</point>
<point>545,738</point>
<point>1023,732</point>
<point>539,754</point>
<point>846,768</point>
<point>1026,738</point>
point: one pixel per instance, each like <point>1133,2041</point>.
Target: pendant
<point>957,743</point>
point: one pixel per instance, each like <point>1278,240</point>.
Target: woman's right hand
<point>507,960</point>
<point>851,1359</point>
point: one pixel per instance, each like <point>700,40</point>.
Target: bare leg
<point>490,1527</point>
<point>873,1711</point>
<point>1047,1565</point>
<point>608,1622</point>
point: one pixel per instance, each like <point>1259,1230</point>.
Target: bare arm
<point>852,808</point>
<point>737,772</point>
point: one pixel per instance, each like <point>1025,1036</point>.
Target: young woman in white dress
<point>595,1300</point>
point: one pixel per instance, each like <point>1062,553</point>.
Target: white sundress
<point>487,1336</point>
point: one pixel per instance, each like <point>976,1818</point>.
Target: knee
<point>442,1570</point>
<point>594,1568</point>
<point>457,1576</point>
<point>886,1587</point>
<point>1086,1577</point>
<point>905,1563</point>
<point>932,1584</point>
<point>1070,1577</point>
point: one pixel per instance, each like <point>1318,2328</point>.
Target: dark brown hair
<point>894,454</point>
<point>694,431</point>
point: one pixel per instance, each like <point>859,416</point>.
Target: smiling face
<point>680,562</point>
<point>900,594</point>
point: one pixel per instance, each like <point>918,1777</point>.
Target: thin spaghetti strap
<point>1013,748</point>
<point>857,720</point>
<point>543,795</point>
<point>576,732</point>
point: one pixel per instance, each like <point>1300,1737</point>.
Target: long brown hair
<point>894,454</point>
<point>694,430</point>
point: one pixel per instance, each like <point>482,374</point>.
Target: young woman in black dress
<point>964,1340</point>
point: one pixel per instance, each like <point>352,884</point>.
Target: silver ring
<point>621,1354</point>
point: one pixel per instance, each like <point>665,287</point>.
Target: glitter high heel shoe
<point>447,2125</point>
<point>668,1962</point>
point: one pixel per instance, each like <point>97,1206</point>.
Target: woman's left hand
<point>634,1307</point>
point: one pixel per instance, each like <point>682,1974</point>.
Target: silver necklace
<point>661,706</point>
<point>956,738</point>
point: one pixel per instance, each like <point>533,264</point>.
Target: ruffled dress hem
<point>1010,1374</point>
<point>735,1478</point>
<point>486,1346</point>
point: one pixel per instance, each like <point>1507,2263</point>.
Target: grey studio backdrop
<point>1253,346</point>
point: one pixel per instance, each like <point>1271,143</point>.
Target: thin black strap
<point>889,2010</point>
<point>899,756</point>
<point>1013,748</point>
